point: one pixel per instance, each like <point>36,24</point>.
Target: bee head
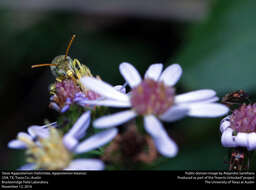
<point>60,65</point>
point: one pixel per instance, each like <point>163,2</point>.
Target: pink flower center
<point>66,89</point>
<point>244,119</point>
<point>152,97</point>
<point>91,95</point>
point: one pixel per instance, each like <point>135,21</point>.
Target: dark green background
<point>219,53</point>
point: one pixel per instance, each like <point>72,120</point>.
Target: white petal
<point>38,131</point>
<point>251,141</point>
<point>24,136</point>
<point>96,141</point>
<point>154,71</point>
<point>17,144</point>
<point>210,100</point>
<point>225,123</point>
<point>121,88</point>
<point>171,75</point>
<point>108,103</point>
<point>241,139</point>
<point>81,125</point>
<point>164,144</point>
<point>28,167</point>
<point>130,74</point>
<point>176,112</point>
<point>86,164</point>
<point>69,142</point>
<point>195,96</point>
<point>114,119</point>
<point>227,138</point>
<point>103,89</point>
<point>207,109</point>
<point>206,101</point>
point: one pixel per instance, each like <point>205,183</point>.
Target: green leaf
<point>220,53</point>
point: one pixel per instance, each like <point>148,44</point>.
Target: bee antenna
<point>69,45</point>
<point>42,65</point>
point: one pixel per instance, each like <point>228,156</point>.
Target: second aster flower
<point>239,128</point>
<point>154,98</point>
<point>48,149</point>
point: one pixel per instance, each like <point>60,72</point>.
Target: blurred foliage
<point>217,53</point>
<point>220,53</point>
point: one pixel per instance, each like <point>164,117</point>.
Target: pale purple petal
<point>86,164</point>
<point>164,144</point>
<point>96,141</point>
<point>17,144</point>
<point>225,123</point>
<point>24,136</point>
<point>130,74</point>
<point>241,139</point>
<point>70,142</point>
<point>207,110</point>
<point>81,125</point>
<point>103,89</point>
<point>227,138</point>
<point>121,88</point>
<point>174,113</point>
<point>251,141</point>
<point>107,102</point>
<point>65,108</point>
<point>171,75</point>
<point>154,71</point>
<point>28,167</point>
<point>210,100</point>
<point>114,119</point>
<point>38,131</point>
<point>193,96</point>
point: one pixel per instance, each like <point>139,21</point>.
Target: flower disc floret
<point>152,97</point>
<point>50,154</point>
<point>244,119</point>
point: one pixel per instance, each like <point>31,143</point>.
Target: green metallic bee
<point>63,67</point>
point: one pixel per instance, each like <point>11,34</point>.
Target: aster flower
<point>54,152</point>
<point>67,92</point>
<point>64,94</point>
<point>239,128</point>
<point>155,99</point>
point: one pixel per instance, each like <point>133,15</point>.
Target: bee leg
<point>82,71</point>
